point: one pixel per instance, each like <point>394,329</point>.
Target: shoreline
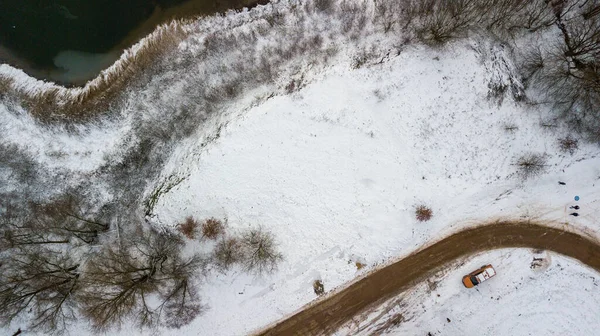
<point>188,10</point>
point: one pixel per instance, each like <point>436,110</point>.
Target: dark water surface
<point>71,41</point>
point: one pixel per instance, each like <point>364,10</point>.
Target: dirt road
<point>325,316</point>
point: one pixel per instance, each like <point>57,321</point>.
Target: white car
<point>478,276</point>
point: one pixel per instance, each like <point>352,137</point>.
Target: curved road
<point>325,316</point>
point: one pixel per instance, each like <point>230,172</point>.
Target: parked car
<point>478,276</point>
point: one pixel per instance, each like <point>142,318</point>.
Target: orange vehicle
<point>478,276</point>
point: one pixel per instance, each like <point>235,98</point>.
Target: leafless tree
<point>41,282</point>
<point>531,62</point>
<point>507,17</point>
<point>127,282</point>
<point>536,15</point>
<point>65,217</point>
<point>50,224</point>
<point>180,303</point>
<point>260,253</point>
<point>438,21</point>
<point>423,213</point>
<point>19,232</point>
<point>227,252</point>
<point>569,70</point>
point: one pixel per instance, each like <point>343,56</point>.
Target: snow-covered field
<point>558,296</point>
<point>336,168</point>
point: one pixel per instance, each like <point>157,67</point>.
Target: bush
<point>423,213</point>
<point>318,287</point>
<point>212,228</point>
<point>189,228</point>
<point>531,164</point>
<point>260,254</point>
<point>568,144</point>
<point>228,252</point>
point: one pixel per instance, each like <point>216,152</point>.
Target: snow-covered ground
<point>556,296</point>
<point>335,169</point>
<point>82,150</point>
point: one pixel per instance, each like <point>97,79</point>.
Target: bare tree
<point>227,252</point>
<point>64,216</point>
<point>128,281</point>
<point>531,62</point>
<point>441,20</point>
<point>535,15</point>
<point>260,253</point>
<point>52,223</point>
<point>570,76</point>
<point>41,282</point>
<point>180,303</point>
<point>19,232</point>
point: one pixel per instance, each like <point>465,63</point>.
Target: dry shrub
<point>212,228</point>
<point>568,144</point>
<point>423,213</point>
<point>189,228</point>
<point>359,265</point>
<point>531,164</point>
<point>318,287</point>
<point>228,252</point>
